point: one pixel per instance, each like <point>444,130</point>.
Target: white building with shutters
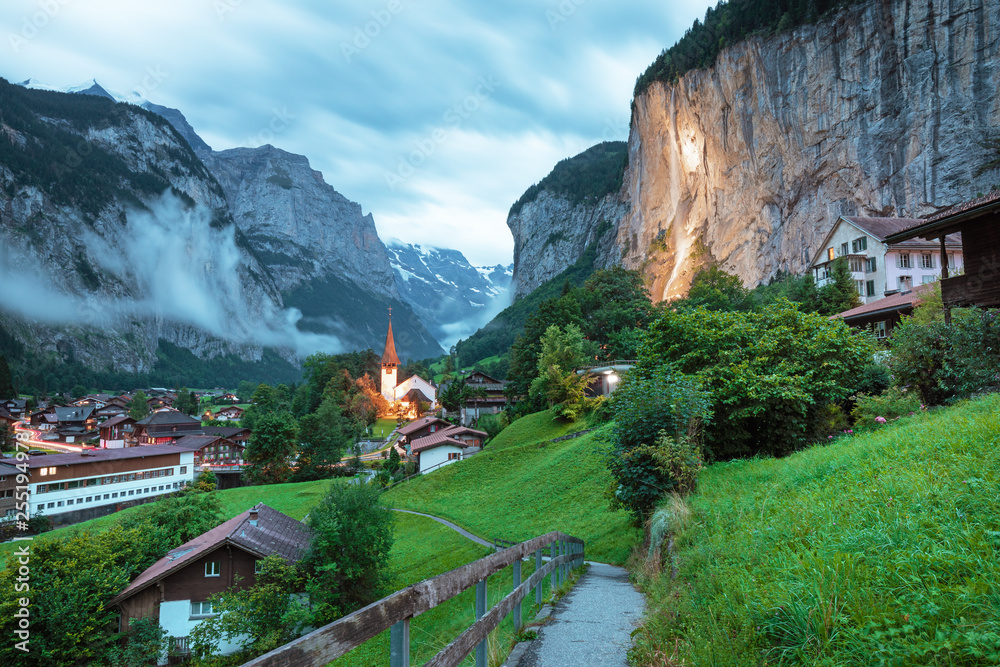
<point>878,269</point>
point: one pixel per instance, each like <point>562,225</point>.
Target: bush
<point>874,379</point>
<point>493,424</point>
<point>206,481</point>
<point>874,411</point>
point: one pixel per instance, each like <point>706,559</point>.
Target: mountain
<point>880,109</point>
<point>451,297</point>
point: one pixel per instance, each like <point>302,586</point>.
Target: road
<point>30,438</point>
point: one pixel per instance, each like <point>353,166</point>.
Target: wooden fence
<point>395,611</point>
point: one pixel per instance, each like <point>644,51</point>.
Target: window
<point>857,264</point>
<point>829,253</point>
<point>870,288</point>
<point>879,328</point>
<point>42,488</point>
<point>201,608</point>
<point>114,495</point>
<point>843,248</point>
<point>132,492</point>
<point>52,471</point>
<point>213,568</point>
<point>184,469</point>
<point>59,504</point>
<point>90,499</point>
<point>860,284</point>
<point>75,484</point>
<point>927,261</point>
<point>904,260</point>
<point>453,456</point>
<point>50,506</point>
<point>857,245</point>
<point>927,279</point>
<point>906,283</point>
<point>951,261</point>
<point>43,472</point>
<point>872,265</point>
<point>106,496</point>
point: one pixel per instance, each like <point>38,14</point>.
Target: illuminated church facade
<point>404,398</point>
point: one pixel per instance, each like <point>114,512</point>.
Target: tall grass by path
<point>878,549</point>
<point>519,491</point>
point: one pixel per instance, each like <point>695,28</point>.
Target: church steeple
<point>389,355</point>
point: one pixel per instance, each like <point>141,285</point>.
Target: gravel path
<point>458,529</point>
<point>591,625</point>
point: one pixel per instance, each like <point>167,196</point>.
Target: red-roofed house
<point>445,446</point>
<point>880,268</point>
<point>418,428</point>
<point>230,413</point>
<point>117,432</point>
<point>176,588</point>
<point>883,315</point>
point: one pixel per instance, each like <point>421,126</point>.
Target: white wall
<point>175,618</point>
<point>436,456</point>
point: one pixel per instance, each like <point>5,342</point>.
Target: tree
<point>561,354</point>
<point>145,642</point>
<point>206,481</point>
<point>79,391</point>
<point>7,389</point>
<point>714,289</point>
<point>324,435</point>
<point>8,441</point>
<point>348,554</point>
<point>186,402</point>
<point>138,407</point>
<point>841,293</point>
<point>392,465</point>
<point>271,447</point>
<point>453,396</point>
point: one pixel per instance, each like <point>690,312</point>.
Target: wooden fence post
<point>554,579</point>
<point>517,607</point>
<point>480,612</point>
<point>538,566</point>
<point>399,644</point>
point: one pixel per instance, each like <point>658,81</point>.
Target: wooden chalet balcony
<point>966,290</point>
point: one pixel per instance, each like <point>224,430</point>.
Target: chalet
<point>44,419</point>
<point>486,397</point>
<point>75,424</point>
<point>7,418</point>
<point>18,407</point>
<point>445,446</point>
<point>96,482</point>
<point>420,428</point>
<point>109,410</point>
<point>8,487</point>
<point>879,265</point>
<point>231,398</point>
<point>230,413</point>
<point>212,450</point>
<point>883,315</point>
<point>117,432</point>
<point>96,401</point>
<point>157,402</point>
<point>175,589</point>
<point>978,221</point>
<point>165,426</point>
<point>235,434</point>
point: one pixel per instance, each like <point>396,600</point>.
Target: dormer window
<point>213,568</point>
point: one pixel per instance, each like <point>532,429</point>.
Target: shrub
<point>874,411</point>
<point>493,424</point>
<point>206,481</point>
<point>874,379</point>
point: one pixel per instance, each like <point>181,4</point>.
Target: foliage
<point>138,407</point>
<point>270,448</point>
<point>8,441</point>
<point>946,361</point>
<point>658,418</point>
<point>186,402</point>
<point>874,379</point>
<point>324,435</point>
<point>584,178</point>
<point>453,396</point>
<point>562,351</point>
<point>848,554</point>
<point>206,481</point>
<point>268,613</point>
<point>145,642</point>
<point>840,293</point>
<point>930,306</point>
<point>729,23</point>
<point>714,289</point>
<point>770,373</point>
<point>348,551</point>
<point>492,425</point>
<point>7,389</point>
<point>874,411</point>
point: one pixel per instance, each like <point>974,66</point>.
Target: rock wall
<point>888,108</point>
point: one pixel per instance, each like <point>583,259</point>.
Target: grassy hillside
<point>878,549</point>
<point>524,487</point>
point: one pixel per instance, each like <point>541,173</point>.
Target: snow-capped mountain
<point>451,297</point>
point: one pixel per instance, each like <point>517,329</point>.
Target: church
<point>405,397</point>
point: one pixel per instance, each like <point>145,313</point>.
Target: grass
<point>423,549</point>
<point>878,549</point>
<point>383,427</point>
<point>526,487</point>
<point>295,500</point>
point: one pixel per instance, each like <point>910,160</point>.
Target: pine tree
<point>841,293</point>
<point>7,389</point>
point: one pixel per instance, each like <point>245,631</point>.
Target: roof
<point>888,304</point>
<point>490,379</point>
<point>166,417</point>
<point>445,436</point>
<point>950,216</point>
<point>115,421</point>
<point>880,228</point>
<point>74,414</point>
<point>389,354</point>
<point>6,416</point>
<point>197,441</point>
<point>93,455</point>
<point>419,424</point>
<point>275,534</point>
<point>224,431</point>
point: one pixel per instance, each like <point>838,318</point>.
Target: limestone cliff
<point>887,108</point>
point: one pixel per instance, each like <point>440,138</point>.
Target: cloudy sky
<point>433,115</point>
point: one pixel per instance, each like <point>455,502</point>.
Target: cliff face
<point>887,109</point>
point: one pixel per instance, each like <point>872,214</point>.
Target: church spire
<point>389,357</point>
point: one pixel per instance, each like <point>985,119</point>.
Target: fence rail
<point>395,611</point>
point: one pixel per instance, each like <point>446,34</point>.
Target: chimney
<point>253,517</point>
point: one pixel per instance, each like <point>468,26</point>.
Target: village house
<point>75,424</point>
<point>18,407</point>
<point>230,413</point>
<point>117,433</point>
<point>879,265</point>
<point>44,419</point>
<point>78,486</point>
<point>8,487</point>
<point>883,315</point>
<point>7,418</point>
<point>165,426</point>
<point>109,411</point>
<point>486,397</point>
<point>445,446</point>
<point>175,589</point>
<point>604,379</point>
<point>978,222</point>
<point>419,428</point>
<point>236,434</point>
<point>212,450</point>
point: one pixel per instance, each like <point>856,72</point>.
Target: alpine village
<point>734,402</point>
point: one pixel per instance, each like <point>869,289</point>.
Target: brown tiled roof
<point>436,440</point>
<point>224,431</point>
<point>164,417</point>
<point>275,533</point>
<point>892,302</point>
<point>92,455</point>
<point>964,206</point>
<point>419,424</point>
<point>6,416</point>
<point>193,442</point>
<point>115,421</point>
<point>882,227</point>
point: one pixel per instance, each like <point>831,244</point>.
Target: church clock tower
<point>389,363</point>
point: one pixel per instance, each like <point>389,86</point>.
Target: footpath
<point>590,625</point>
